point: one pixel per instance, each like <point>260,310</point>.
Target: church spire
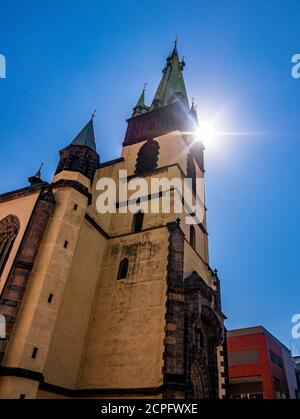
<point>171,87</point>
<point>86,137</point>
<point>140,107</point>
<point>169,111</point>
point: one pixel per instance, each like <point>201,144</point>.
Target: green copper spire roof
<point>140,107</point>
<point>171,87</point>
<point>86,136</point>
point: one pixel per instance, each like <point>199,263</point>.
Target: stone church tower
<point>117,304</point>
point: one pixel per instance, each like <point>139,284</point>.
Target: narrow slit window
<point>192,237</point>
<point>123,269</point>
<point>34,353</point>
<point>191,171</point>
<point>138,221</point>
<point>50,298</point>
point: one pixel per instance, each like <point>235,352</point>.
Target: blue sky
<point>66,58</point>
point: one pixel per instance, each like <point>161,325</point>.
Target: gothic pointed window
<point>192,237</point>
<point>9,228</point>
<point>137,222</point>
<point>191,171</point>
<point>147,158</point>
<point>123,269</point>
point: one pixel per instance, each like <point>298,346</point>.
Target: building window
<point>147,158</point>
<point>244,357</point>
<point>137,222</point>
<point>123,269</point>
<point>66,244</point>
<point>74,163</point>
<point>280,390</point>
<point>22,396</point>
<point>34,353</point>
<point>276,359</point>
<point>50,298</point>
<point>75,207</point>
<point>192,237</point>
<point>191,171</point>
<point>9,228</point>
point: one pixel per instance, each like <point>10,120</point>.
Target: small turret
<point>81,155</point>
<point>140,107</point>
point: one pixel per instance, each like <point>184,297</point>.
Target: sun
<point>206,132</point>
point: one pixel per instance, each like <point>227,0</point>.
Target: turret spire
<point>86,137</point>
<point>171,87</point>
<point>140,107</point>
<point>37,178</point>
<point>169,111</point>
<point>176,41</point>
<point>81,155</point>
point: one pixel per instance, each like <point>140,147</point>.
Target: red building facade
<point>259,365</point>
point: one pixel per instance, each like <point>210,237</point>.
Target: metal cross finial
<point>176,40</point>
<point>94,113</point>
<point>145,85</point>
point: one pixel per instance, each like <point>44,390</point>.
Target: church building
<point>112,305</point>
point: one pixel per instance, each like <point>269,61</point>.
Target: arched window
<point>137,222</point>
<point>9,228</point>
<point>191,171</point>
<point>74,163</point>
<point>192,237</point>
<point>123,269</point>
<point>147,158</point>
